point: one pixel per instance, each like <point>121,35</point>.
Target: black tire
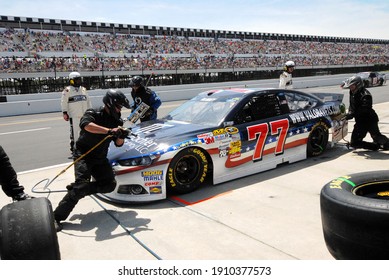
<point>187,171</point>
<point>317,140</point>
<point>381,82</point>
<point>355,216</point>
<point>27,231</point>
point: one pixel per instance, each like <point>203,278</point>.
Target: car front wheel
<point>187,171</point>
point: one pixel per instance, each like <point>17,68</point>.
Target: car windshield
<point>205,110</point>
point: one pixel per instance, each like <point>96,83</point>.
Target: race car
<point>222,135</point>
<point>370,79</point>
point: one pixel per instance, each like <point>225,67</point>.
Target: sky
<point>340,18</point>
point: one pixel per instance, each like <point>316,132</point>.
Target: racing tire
<point>27,231</point>
<point>317,140</point>
<point>187,171</point>
<point>355,216</point>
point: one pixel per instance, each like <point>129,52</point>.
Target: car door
<point>262,122</point>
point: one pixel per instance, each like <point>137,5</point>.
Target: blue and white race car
<point>222,135</point>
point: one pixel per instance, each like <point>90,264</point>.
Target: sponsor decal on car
<point>235,149</point>
<point>153,183</point>
<point>152,175</point>
<point>314,113</point>
<point>155,190</point>
<point>231,130</point>
<point>142,145</point>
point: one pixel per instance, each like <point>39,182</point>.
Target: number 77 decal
<point>279,127</point>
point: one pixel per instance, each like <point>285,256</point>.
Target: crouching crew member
<point>366,119</point>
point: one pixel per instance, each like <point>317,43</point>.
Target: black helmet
<point>136,81</point>
<point>354,80</point>
<point>113,99</point>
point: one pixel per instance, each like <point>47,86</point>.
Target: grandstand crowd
<point>24,50</point>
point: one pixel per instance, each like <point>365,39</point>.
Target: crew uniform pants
<point>361,128</point>
<point>104,182</point>
<point>74,131</point>
<point>8,176</point>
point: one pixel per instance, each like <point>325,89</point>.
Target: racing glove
<point>120,133</point>
<point>349,116</point>
<point>124,132</point>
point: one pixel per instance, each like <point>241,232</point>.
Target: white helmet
<point>289,63</point>
<point>73,75</point>
<point>75,79</point>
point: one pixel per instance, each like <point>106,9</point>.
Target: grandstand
<point>36,54</point>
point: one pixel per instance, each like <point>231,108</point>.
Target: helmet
<point>75,79</point>
<point>354,80</point>
<point>136,81</point>
<point>289,63</point>
<point>113,99</point>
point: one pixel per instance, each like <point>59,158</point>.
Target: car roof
<point>228,93</point>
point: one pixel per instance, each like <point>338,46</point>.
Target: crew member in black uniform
<point>140,93</point>
<point>366,119</point>
<point>95,126</point>
<point>9,180</point>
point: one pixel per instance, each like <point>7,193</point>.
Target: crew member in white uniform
<point>286,76</point>
<point>74,102</point>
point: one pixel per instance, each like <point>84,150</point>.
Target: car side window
<point>259,107</point>
<point>297,102</point>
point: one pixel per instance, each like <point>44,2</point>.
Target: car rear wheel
<point>27,231</point>
<point>317,140</point>
<point>187,171</point>
<point>355,216</point>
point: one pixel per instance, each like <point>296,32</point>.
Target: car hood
<point>157,137</point>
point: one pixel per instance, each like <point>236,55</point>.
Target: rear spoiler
<point>328,97</point>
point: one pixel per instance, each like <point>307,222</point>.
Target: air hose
<point>65,190</point>
<point>48,183</point>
